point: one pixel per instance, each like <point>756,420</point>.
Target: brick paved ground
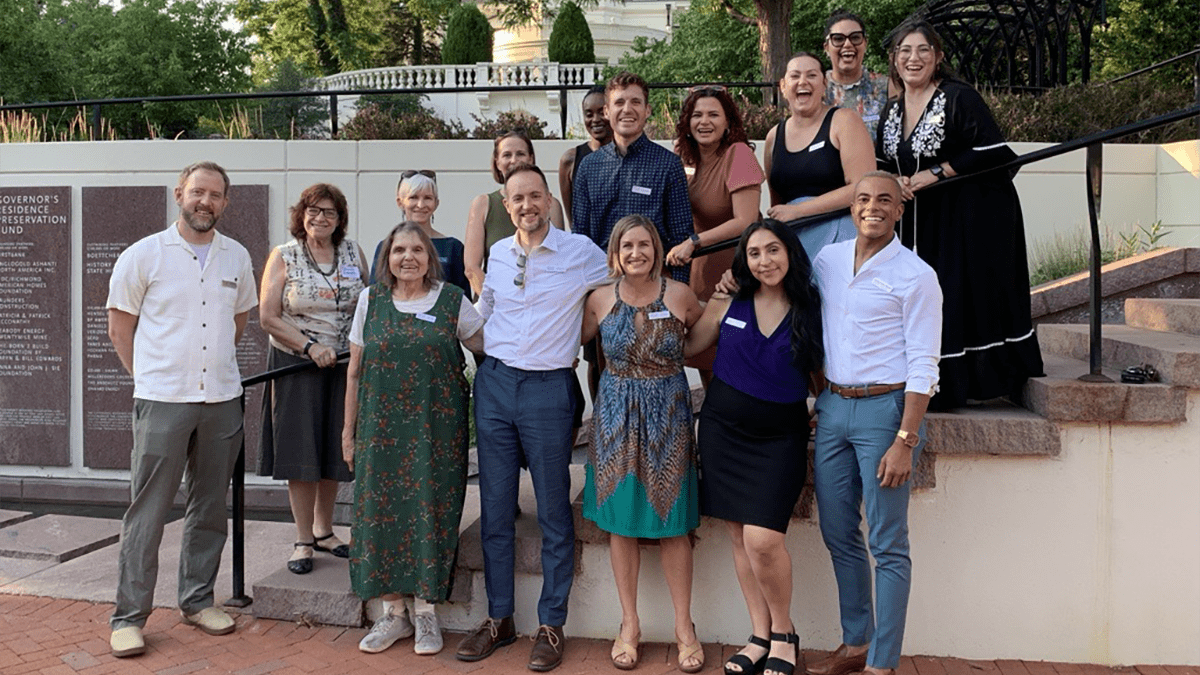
<point>63,637</point>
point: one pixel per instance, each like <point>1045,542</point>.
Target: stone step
<point>1177,315</point>
<point>1176,356</point>
<point>13,517</point>
<point>57,538</point>
<point>322,596</point>
<point>996,429</point>
<point>1061,396</point>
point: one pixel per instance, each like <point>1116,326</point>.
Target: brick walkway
<point>63,637</point>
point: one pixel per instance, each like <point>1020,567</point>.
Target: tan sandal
<point>629,650</point>
<point>689,652</point>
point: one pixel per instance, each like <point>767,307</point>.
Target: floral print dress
<point>411,449</point>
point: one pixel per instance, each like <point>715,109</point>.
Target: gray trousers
<point>198,442</point>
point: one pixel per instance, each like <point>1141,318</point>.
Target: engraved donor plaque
<point>35,325</point>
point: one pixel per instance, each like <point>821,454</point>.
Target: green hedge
<point>571,39</point>
<point>468,37</point>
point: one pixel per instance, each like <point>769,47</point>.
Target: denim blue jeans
<point>530,412</point>
<point>852,437</point>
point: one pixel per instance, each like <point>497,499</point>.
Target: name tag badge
<point>225,283</point>
<point>638,189</point>
<point>689,170</point>
<point>882,285</point>
<point>350,272</point>
<point>661,314</point>
<point>816,146</point>
<point>736,323</point>
<point>427,317</point>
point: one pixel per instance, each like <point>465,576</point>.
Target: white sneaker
<point>211,620</point>
<point>385,632</point>
<point>429,634</point>
<point>127,641</point>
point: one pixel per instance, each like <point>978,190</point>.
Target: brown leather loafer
<point>548,647</point>
<point>486,639</point>
<point>839,663</point>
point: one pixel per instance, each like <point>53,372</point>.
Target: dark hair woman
<point>724,187</point>
<point>971,232</point>
<point>753,434</point>
<point>305,305</point>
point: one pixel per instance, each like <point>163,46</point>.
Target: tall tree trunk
<point>418,39</point>
<point>774,41</point>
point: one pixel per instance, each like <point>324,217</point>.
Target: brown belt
<point>864,390</point>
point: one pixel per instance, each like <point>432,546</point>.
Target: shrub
<point>1072,111</point>
<point>374,123</point>
<point>509,120</point>
<point>468,37</point>
<point>571,39</point>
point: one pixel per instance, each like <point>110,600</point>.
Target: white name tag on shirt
<point>736,323</point>
<point>638,189</point>
<point>661,314</point>
<point>689,170</point>
<point>427,317</point>
<point>882,285</point>
<point>349,272</point>
<point>816,146</point>
<point>228,284</point>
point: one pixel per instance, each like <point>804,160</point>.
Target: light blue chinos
<point>531,412</point>
<point>852,437</point>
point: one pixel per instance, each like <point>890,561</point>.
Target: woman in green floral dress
<point>405,435</point>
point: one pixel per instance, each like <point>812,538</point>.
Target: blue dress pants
<point>852,437</point>
<point>524,411</point>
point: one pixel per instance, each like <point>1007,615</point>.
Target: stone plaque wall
<point>113,218</point>
<point>35,325</point>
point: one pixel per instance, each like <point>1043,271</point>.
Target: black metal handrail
<point>1156,66</point>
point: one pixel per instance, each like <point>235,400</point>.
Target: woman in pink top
<point>724,185</point>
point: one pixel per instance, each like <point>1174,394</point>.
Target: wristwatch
<point>308,345</point>
<point>695,240</point>
<point>909,439</point>
<point>937,171</point>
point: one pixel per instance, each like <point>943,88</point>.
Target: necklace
<point>337,291</point>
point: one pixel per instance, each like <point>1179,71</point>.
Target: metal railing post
<point>562,111</point>
<point>1196,85</point>
<point>96,122</point>
<point>239,597</point>
<point>333,116</point>
<point>1094,172</point>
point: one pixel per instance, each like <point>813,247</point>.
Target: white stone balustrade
<point>532,73</point>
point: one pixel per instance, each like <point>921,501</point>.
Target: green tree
<point>1141,33</point>
<point>318,35</point>
<point>298,117</point>
<point>468,37</point>
<point>571,39</point>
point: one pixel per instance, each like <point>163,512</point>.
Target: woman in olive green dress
<point>405,435</point>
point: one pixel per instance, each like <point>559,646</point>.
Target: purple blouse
<point>755,364</point>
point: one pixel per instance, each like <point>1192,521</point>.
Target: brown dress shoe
<point>839,663</point>
<point>548,647</point>
<point>486,639</point>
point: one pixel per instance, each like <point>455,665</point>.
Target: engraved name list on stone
<point>35,325</point>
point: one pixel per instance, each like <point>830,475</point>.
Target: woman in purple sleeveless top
<point>753,436</point>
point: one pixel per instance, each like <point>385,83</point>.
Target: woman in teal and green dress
<point>641,470</point>
<point>405,436</point>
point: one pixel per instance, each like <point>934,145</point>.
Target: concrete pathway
<point>61,637</point>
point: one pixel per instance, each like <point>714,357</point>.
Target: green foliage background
<point>468,37</point>
<point>571,39</point>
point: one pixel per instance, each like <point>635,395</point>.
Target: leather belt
<point>864,390</point>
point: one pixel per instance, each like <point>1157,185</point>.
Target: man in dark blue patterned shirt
<point>631,175</point>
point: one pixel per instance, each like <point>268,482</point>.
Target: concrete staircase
<point>1164,333</point>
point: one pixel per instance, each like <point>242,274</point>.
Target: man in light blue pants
<point>882,315</point>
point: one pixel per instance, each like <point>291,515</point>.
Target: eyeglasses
<point>313,212</point>
<point>707,89</point>
<point>838,39</point>
<point>922,51</point>
<point>404,175</point>
<point>519,280</point>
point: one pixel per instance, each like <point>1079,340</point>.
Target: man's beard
<point>197,223</point>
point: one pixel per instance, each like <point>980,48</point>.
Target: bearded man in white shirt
<point>882,316</point>
<point>532,298</point>
<point>178,302</point>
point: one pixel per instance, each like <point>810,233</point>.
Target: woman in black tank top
<point>814,157</point>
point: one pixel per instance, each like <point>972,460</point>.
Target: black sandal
<point>779,665</point>
<point>339,551</point>
<point>742,661</point>
<point>301,565</point>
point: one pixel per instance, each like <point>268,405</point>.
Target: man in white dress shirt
<point>882,315</point>
<point>533,301</point>
<point>177,304</point>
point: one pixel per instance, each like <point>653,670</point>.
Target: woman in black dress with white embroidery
<point>972,231</point>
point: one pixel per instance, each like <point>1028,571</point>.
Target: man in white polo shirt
<point>177,304</point>
<point>881,308</point>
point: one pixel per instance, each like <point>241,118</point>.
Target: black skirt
<point>753,457</point>
<point>302,422</point>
